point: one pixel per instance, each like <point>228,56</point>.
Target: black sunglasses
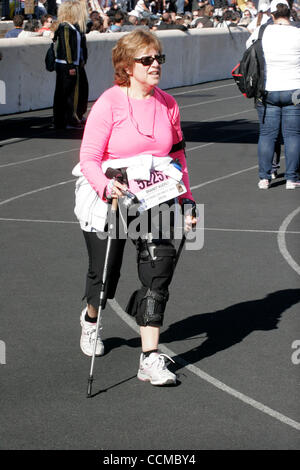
<point>149,59</point>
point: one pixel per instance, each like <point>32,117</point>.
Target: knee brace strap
<point>154,308</point>
<point>148,306</point>
<point>152,251</point>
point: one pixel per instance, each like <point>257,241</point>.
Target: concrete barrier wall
<point>4,27</point>
<point>194,57</point>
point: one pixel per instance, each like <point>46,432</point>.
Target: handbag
<point>50,58</point>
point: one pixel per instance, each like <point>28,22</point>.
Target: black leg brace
<point>155,269</point>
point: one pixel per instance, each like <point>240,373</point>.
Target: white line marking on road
<point>282,243</point>
<point>228,115</point>
<point>15,140</point>
<point>44,188</point>
<point>211,101</point>
<point>74,179</point>
<point>249,230</point>
<point>22,139</point>
<point>208,378</point>
<point>48,221</point>
<point>43,221</point>
<point>197,186</point>
<point>5,165</point>
<point>201,89</point>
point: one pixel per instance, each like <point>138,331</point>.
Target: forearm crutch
<point>183,240</point>
<point>102,299</point>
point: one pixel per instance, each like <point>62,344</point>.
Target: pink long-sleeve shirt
<point>123,127</point>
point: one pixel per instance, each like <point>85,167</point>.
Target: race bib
<point>160,188</point>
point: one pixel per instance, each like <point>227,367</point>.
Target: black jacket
<point>66,38</point>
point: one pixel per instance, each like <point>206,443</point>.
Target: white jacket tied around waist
<point>91,210</point>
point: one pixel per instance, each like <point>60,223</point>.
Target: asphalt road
<point>231,325</point>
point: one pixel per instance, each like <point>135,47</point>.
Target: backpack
<point>249,72</point>
<point>50,58</point>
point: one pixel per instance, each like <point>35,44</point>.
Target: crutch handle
<point>114,204</point>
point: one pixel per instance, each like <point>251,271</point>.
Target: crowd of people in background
<point>117,16</point>
<point>107,16</point>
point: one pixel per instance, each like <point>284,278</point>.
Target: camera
<point>129,199</point>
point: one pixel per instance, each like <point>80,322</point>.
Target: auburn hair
<point>127,48</point>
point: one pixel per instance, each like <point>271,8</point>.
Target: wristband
<point>188,207</point>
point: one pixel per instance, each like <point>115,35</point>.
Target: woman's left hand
<point>190,214</point>
<point>190,222</point>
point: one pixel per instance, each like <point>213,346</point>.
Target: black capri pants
<point>155,262</point>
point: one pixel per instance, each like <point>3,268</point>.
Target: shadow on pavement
<point>40,127</point>
<point>224,328</point>
<point>116,342</point>
<point>112,386</point>
<point>237,131</point>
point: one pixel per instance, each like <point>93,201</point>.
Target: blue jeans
<point>279,110</point>
<point>180,6</point>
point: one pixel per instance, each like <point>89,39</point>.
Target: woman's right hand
<point>115,189</point>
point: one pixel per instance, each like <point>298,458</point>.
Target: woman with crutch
<point>136,126</point>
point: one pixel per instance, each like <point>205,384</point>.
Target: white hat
<point>274,3</point>
<point>264,7</point>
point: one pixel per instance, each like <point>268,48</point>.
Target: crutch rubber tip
<point>89,389</point>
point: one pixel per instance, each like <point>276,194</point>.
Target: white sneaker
<point>292,184</point>
<point>153,369</point>
<point>264,184</point>
<point>88,334</point>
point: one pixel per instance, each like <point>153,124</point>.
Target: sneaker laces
<point>161,364</point>
<point>90,330</point>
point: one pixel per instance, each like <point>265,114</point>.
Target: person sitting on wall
<point>18,21</point>
<point>132,22</point>
<point>94,16</point>
<point>118,22</point>
<point>46,21</point>
<point>97,27</point>
<point>167,23</point>
<point>31,29</point>
<point>230,19</point>
<point>246,19</point>
<point>204,19</point>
